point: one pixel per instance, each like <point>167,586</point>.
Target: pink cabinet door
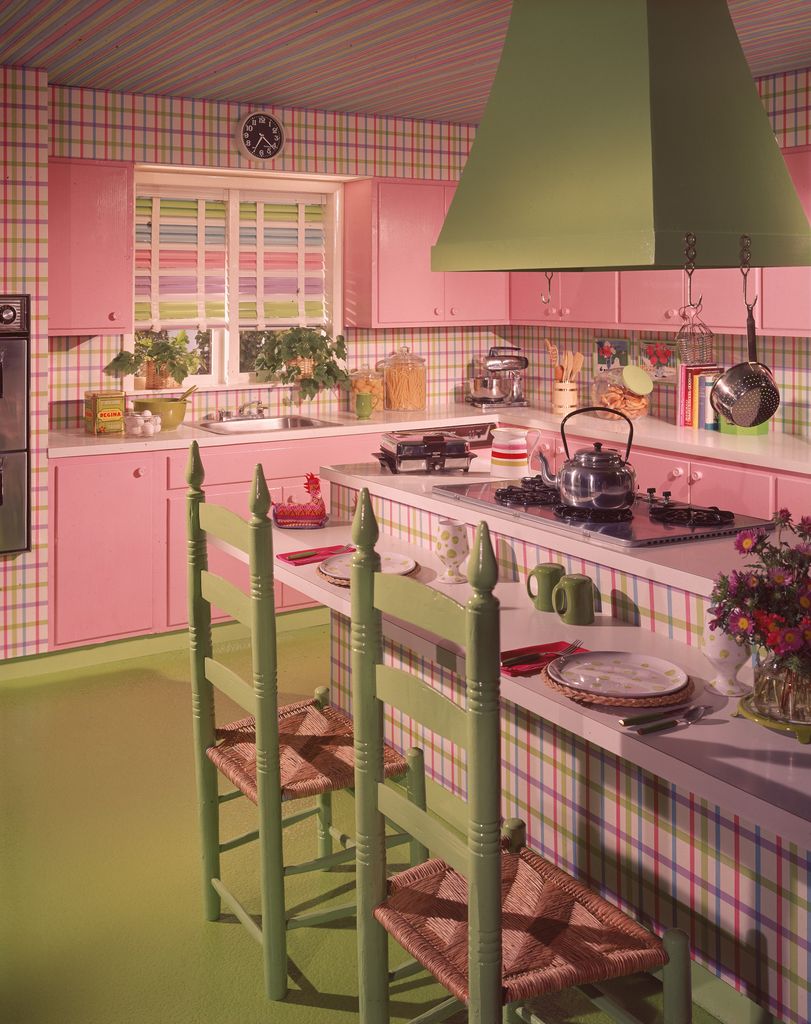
<point>90,246</point>
<point>103,546</point>
<point>786,300</point>
<point>589,298</point>
<point>526,304</point>
<point>794,493</point>
<point>409,221</point>
<point>664,472</point>
<point>650,298</point>
<point>737,488</point>
<point>723,309</point>
<point>481,297</point>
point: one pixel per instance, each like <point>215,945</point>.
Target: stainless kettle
<point>594,478</point>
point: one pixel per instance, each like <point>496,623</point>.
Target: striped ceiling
<point>426,59</point>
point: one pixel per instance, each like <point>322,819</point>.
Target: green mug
<point>547,575</point>
<point>573,600</point>
<point>363,404</point>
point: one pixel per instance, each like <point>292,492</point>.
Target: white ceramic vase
<point>452,549</point>
<point>726,657</point>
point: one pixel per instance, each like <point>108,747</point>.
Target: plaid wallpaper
<point>24,268</point>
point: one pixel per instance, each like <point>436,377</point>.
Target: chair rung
<point>223,798</point>
<point>294,819</point>
<point>405,970</point>
<point>241,914</point>
<point>321,864</point>
<point>232,844</point>
<point>597,995</point>
<point>439,1012</point>
<point>341,837</point>
<point>321,916</point>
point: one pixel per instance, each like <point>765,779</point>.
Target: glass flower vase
<point>782,689</point>
<point>726,656</point>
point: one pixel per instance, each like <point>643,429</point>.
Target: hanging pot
<point>746,393</point>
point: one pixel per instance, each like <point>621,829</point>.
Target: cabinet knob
<point>565,311</point>
<point>437,311</point>
<point>676,472</point>
<point>544,446</point>
<point>670,313</point>
<point>695,476</point>
<point>112,316</point>
<point>453,310</point>
<point>140,471</point>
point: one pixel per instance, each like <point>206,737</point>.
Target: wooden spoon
<point>553,352</point>
<point>186,393</point>
<point>567,366</point>
<point>577,364</point>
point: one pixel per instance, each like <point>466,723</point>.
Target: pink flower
<point>804,526</point>
<point>740,623</point>
<point>788,640</point>
<point>780,577</point>
<point>746,540</point>
<point>783,516</point>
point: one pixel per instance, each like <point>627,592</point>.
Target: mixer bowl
<point>493,388</point>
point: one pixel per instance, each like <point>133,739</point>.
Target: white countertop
<point>746,769</point>
<point>690,567</point>
<point>772,451</point>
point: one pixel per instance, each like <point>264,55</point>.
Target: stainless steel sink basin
<point>262,424</point>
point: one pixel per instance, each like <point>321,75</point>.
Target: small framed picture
<point>659,358</point>
<point>609,353</point>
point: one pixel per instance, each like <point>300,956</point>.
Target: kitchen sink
<point>262,424</point>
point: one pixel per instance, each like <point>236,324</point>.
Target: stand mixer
<point>501,380</point>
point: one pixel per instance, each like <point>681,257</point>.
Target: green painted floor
<point>101,920</point>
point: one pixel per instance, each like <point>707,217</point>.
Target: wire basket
<point>157,378</point>
<point>695,341</point>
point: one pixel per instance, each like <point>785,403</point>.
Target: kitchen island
<point>706,827</point>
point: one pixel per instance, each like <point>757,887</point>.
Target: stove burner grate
<point>531,492</point>
<point>593,515</point>
<point>687,515</point>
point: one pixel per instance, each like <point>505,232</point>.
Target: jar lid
<point>637,380</point>
<point>404,355</point>
<point>364,370</point>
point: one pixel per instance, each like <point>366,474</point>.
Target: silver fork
<point>570,649</point>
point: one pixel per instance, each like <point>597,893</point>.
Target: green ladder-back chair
<point>493,921</point>
<point>274,755</point>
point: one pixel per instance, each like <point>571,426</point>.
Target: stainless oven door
<point>14,525</point>
<point>13,394</point>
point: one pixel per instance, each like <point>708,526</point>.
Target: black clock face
<point>262,136</point>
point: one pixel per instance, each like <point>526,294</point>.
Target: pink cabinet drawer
<point>794,493</point>
<point>738,488</point>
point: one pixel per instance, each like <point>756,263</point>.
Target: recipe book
<point>687,403</point>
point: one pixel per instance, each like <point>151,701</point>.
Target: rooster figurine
<point>308,515</point>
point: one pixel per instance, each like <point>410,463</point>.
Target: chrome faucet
<point>244,409</point>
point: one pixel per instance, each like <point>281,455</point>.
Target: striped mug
<point>510,454</point>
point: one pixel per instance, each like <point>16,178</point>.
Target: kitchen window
<point>225,257</point>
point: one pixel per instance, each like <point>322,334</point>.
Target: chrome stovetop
<point>639,531</point>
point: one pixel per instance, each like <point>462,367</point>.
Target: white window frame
<point>252,186</point>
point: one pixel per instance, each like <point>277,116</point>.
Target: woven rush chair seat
<point>555,932</point>
<point>315,752</point>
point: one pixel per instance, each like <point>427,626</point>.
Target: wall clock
<point>260,136</point>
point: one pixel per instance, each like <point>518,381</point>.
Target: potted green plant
<point>305,356</point>
<point>166,360</point>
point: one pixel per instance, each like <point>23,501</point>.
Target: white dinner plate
<point>618,674</point>
<point>339,567</point>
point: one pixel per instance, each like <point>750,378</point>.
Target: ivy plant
<point>171,355</point>
<point>278,352</point>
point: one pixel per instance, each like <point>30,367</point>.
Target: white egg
<point>134,431</point>
<point>157,427</point>
<point>148,429</point>
<point>146,414</point>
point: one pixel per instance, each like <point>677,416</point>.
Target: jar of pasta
<point>366,380</point>
<point>404,380</point>
<point>625,388</point>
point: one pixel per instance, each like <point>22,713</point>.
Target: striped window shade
<point>282,261</point>
<point>180,261</point>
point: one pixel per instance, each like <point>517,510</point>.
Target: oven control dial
<point>8,314</point>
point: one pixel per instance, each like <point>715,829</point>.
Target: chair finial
<point>260,495</point>
<point>482,569</point>
<point>195,474</point>
<point>365,530</point>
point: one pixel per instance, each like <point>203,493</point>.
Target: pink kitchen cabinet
<point>794,493</point>
<point>651,299</point>
<point>576,299</point>
<point>390,227</point>
<point>104,548</point>
<point>90,247</point>
<point>723,309</point>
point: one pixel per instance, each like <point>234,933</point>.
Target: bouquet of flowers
<point>768,602</point>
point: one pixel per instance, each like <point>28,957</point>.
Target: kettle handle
<point>597,408</point>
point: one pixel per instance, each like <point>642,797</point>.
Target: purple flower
<point>788,640</point>
<point>782,517</point>
<point>747,539</point>
<point>740,623</point>
<point>780,577</point>
<point>804,526</point>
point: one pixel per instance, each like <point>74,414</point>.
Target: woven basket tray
<point>579,697</point>
<point>345,583</point>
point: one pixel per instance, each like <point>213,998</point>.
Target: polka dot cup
<point>726,657</point>
<point>452,549</point>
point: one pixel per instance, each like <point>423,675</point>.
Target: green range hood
<point>613,128</point>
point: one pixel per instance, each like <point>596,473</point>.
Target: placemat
<point>685,693</point>
<point>345,583</point>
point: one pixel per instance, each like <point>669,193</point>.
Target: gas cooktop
<point>651,520</point>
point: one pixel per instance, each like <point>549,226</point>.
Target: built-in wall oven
<point>15,492</point>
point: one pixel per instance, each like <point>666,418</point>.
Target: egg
<point>146,414</point>
<point>148,429</point>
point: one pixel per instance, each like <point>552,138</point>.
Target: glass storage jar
<point>404,378</point>
<point>365,380</point>
<point>625,388</point>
